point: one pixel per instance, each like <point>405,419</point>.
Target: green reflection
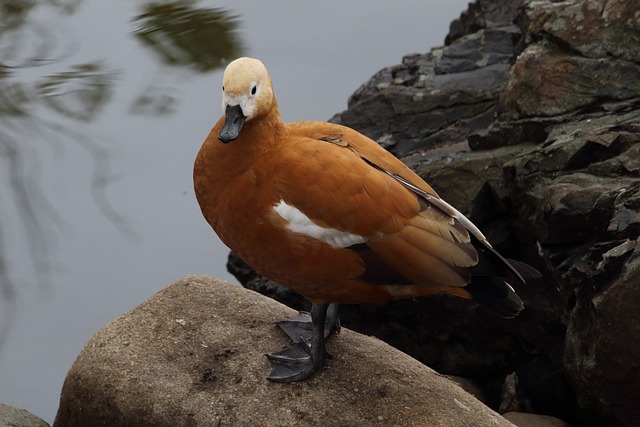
<point>185,36</point>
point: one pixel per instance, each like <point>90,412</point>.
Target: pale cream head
<point>246,83</point>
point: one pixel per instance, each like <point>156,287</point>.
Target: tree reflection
<point>13,13</point>
<point>77,94</point>
<point>184,36</point>
<point>23,45</point>
<point>187,37</point>
<point>45,109</point>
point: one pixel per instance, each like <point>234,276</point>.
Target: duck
<point>329,213</point>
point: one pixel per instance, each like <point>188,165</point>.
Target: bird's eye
<point>223,88</point>
<point>253,90</point>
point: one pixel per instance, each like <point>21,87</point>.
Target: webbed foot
<point>301,326</point>
<point>308,332</point>
<point>294,363</point>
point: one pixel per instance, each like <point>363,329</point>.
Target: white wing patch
<point>300,223</point>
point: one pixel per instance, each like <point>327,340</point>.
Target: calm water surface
<point>103,106</point>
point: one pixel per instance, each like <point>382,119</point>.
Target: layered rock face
<point>528,121</point>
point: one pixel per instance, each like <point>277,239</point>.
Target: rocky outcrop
<point>528,121</point>
<point>193,354</point>
<point>436,98</point>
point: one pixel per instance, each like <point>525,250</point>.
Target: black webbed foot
<point>301,326</point>
<point>294,363</point>
<point>308,332</point>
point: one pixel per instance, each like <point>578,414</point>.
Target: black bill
<point>234,119</point>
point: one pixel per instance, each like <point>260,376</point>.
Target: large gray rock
<point>193,354</point>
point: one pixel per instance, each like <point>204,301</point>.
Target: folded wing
<point>402,220</point>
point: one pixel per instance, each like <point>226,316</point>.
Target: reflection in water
<point>23,45</point>
<point>79,93</point>
<point>14,13</point>
<point>184,36</point>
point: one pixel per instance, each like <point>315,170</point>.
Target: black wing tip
<point>496,295</point>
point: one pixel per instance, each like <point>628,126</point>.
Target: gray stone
<point>11,416</point>
<point>193,354</point>
<point>409,105</point>
<point>477,50</point>
<point>547,81</point>
<point>595,29</point>
<point>483,14</point>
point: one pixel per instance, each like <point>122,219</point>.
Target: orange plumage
<point>328,212</point>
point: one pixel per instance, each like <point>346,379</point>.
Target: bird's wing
<point>343,182</point>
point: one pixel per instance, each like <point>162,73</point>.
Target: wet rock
<point>14,417</point>
<point>193,354</point>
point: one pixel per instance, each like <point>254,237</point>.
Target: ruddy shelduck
<point>327,212</point>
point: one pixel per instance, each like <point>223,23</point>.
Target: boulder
<point>193,354</point>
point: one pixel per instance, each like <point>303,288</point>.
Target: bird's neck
<point>259,135</point>
<point>256,138</point>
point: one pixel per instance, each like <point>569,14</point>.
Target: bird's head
<point>246,95</point>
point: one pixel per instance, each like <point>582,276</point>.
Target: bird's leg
<point>300,327</point>
<point>303,358</point>
<point>332,322</point>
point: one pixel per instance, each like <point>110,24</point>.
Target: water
<point>103,106</point>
